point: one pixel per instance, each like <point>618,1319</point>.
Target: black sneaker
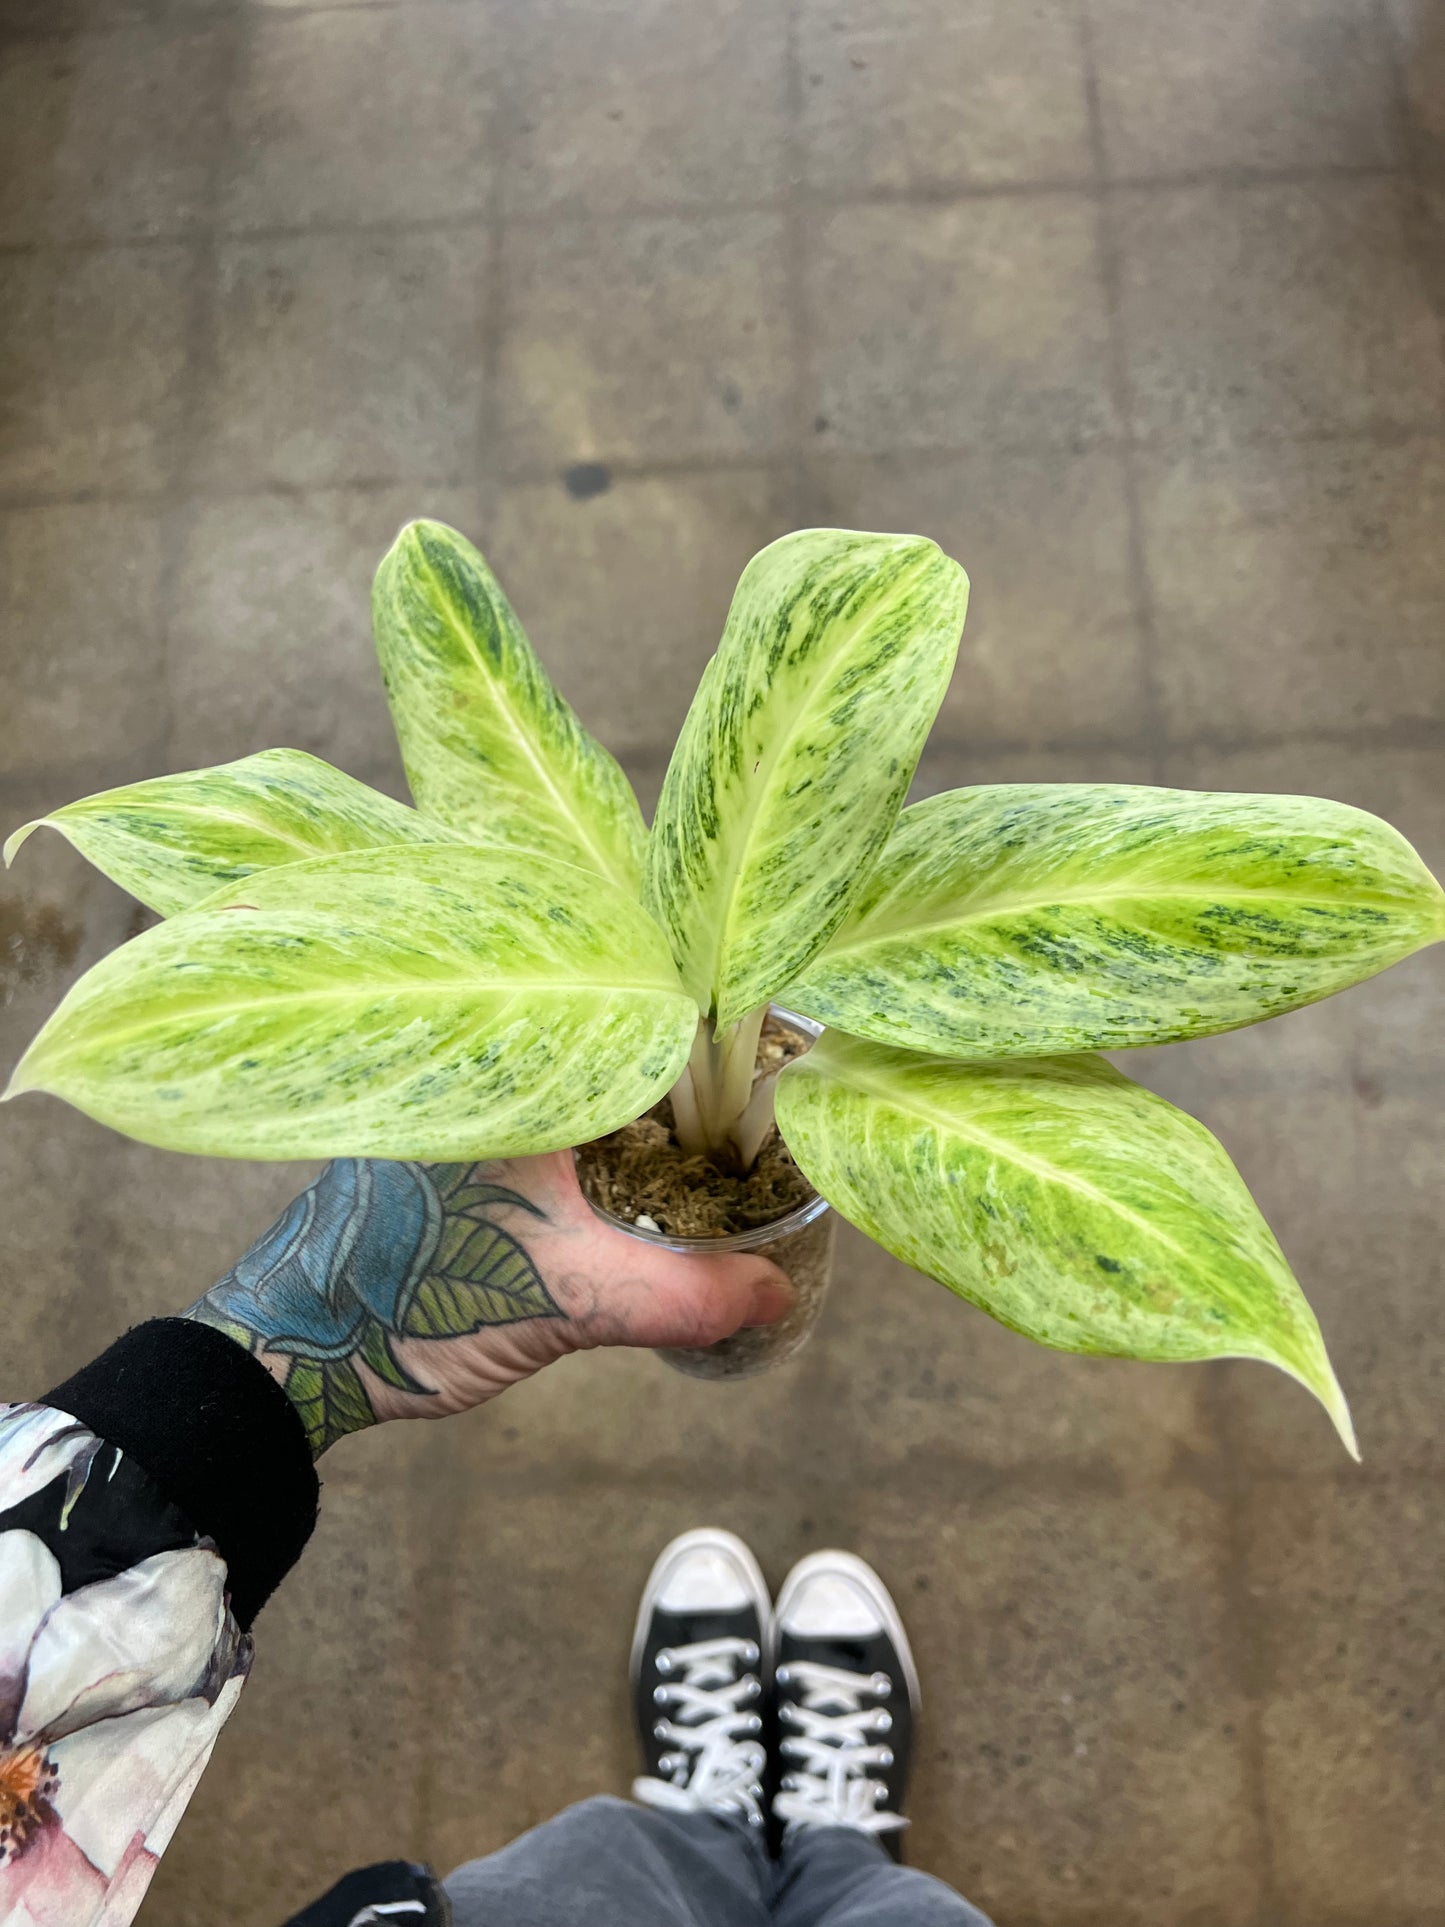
<point>846,1696</point>
<point>697,1680</point>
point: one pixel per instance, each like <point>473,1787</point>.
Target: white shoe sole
<point>847,1565</point>
<point>702,1538</point>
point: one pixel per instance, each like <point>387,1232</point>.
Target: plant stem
<point>711,1096</point>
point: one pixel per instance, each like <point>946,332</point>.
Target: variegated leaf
<point>1032,918</point>
<point>330,1398</point>
<point>175,839</point>
<point>480,1275</point>
<point>1060,1198</point>
<point>443,1002</point>
<point>797,753</point>
<point>490,747</point>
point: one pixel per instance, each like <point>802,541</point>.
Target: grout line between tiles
<point>699,467</point>
<point>1111,271</point>
<point>1250,1750</point>
<point>949,195</point>
<point>200,367</point>
<point>1241,1610</point>
<point>796,241</point>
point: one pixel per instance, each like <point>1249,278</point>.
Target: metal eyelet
<point>665,1661</point>
<point>881,1686</point>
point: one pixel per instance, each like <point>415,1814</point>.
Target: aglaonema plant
<point>519,964</point>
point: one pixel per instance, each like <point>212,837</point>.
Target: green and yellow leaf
<point>480,1275</point>
<point>430,1002</point>
<point>1065,1201</point>
<point>174,840</point>
<point>490,747</point>
<point>797,753</point>
<point>330,1399</point>
<point>1034,918</point>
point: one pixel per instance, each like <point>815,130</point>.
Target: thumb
<point>688,1301</point>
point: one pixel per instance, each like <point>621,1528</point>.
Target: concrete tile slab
<point>93,357</point>
<point>1349,1182</point>
<point>644,341</point>
<point>1297,587</point>
<point>58,916</point>
<point>931,96</point>
<point>352,115</point>
<point>901,1382</point>
<point>81,634</point>
<point>1302,83</point>
<point>345,358</point>
<point>1051,649</point>
<point>1272,310</point>
<point>974,324</point>
<point>933,1389</point>
<point>1346,1581</point>
<point>624,104</point>
<point>1083,1750</point>
<point>625,592</point>
<point>109,135</point>
<point>270,642</point>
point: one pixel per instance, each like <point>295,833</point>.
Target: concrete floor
<point>1134,305</point>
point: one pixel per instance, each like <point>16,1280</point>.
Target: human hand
<point>419,1290</point>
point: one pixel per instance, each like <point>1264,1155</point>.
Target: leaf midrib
<point>268,830</point>
<point>1000,1147</point>
<point>450,987</point>
<point>870,933</point>
<point>519,733</point>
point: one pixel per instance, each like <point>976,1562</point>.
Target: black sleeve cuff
<point>217,1436</point>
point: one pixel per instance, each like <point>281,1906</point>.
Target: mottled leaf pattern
<point>330,1400</point>
<point>1057,1196</point>
<point>797,753</point>
<point>175,840</point>
<point>414,1003</point>
<point>489,745</point>
<point>1025,919</point>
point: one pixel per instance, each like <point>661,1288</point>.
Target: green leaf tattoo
<point>373,1253</point>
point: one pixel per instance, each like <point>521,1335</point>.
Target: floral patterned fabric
<point>120,1661</point>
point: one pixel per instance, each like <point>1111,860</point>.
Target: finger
<point>687,1301</point>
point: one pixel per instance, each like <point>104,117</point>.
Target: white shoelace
<point>716,1764</point>
<point>834,1748</point>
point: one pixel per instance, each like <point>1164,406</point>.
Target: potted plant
<point>519,964</point>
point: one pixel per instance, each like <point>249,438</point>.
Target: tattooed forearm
<point>368,1265</point>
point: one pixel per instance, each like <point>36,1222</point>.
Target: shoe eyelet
<point>665,1661</point>
<point>881,1686</point>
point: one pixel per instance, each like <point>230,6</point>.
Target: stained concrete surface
<point>1136,309</point>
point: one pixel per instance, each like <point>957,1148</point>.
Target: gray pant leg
<point>607,1863</point>
<point>835,1877</point>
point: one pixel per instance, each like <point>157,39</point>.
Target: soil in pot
<point>641,1176</point>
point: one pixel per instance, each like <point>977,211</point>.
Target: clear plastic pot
<point>800,1244</point>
